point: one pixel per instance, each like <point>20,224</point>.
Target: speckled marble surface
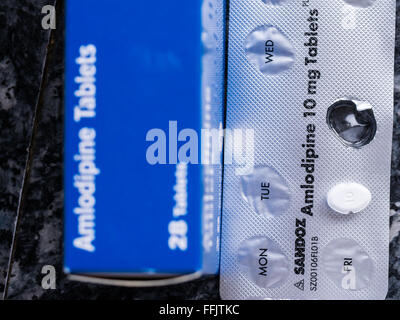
<point>38,239</point>
<point>23,46</point>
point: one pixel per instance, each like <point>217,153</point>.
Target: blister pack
<point>313,79</point>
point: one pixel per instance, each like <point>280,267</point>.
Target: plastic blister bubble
<point>266,191</point>
<point>269,50</point>
<point>353,122</point>
<point>263,262</point>
<point>347,264</point>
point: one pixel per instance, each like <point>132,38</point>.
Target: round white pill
<point>349,198</point>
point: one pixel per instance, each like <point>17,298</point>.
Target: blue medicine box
<point>143,78</point>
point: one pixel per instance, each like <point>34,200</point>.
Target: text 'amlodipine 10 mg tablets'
<point>144,85</point>
<point>310,219</point>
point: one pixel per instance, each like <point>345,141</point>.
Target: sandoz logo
<point>85,180</point>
